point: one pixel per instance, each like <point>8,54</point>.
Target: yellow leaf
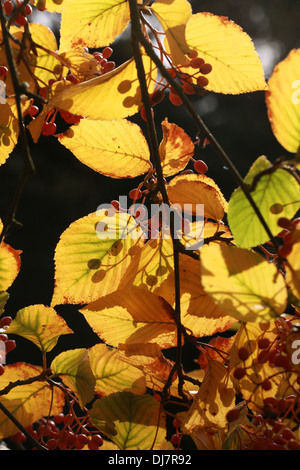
<point>199,314</point>
<point>132,316</point>
<point>242,283</point>
<point>198,189</point>
<point>215,398</point>
<point>113,95</point>
<point>236,67</point>
<point>39,324</point>
<point>112,374</point>
<point>92,24</point>
<point>293,265</point>
<point>73,367</point>
<point>114,148</point>
<point>84,275</point>
<point>81,64</point>
<point>173,17</point>
<point>283,98</point>
<point>9,131</point>
<point>10,263</point>
<point>176,149</point>
<point>27,403</point>
<point>54,6</point>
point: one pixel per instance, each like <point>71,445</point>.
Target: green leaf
<point>39,324</point>
<point>132,422</point>
<point>73,367</point>
<point>277,194</point>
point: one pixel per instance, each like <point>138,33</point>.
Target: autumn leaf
<point>282,99</point>
<point>10,263</point>
<point>293,265</point>
<point>176,149</point>
<point>236,66</point>
<point>28,402</point>
<point>195,190</point>
<point>73,367</point>
<point>81,64</point>
<point>215,398</point>
<point>39,324</point>
<point>107,244</point>
<point>9,131</point>
<point>173,21</point>
<point>244,224</point>
<point>131,421</point>
<point>113,95</point>
<point>92,23</point>
<point>53,6</point>
<point>114,148</point>
<point>132,316</point>
<point>112,374</point>
<point>242,283</point>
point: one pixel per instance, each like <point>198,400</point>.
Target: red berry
<point>188,88</point>
<point>239,373</point>
<point>95,442</point>
<point>175,439</point>
<point>200,166</point>
<point>21,20</point>
<point>135,194</point>
<point>176,423</point>
<point>83,439</point>
<point>10,345</point>
<point>243,353</point>
<point>157,97</point>
<point>107,52</point>
<point>285,250</point>
<point>202,81</point>
<point>196,63</point>
<point>205,69</point>
<point>283,222</point>
<point>8,7</point>
<point>2,369</point>
<point>19,437</point>
<point>52,444</point>
<point>266,384</point>
<point>293,445</point>
<point>175,99</point>
<point>3,337</point>
<point>108,66</point>
<point>49,128</point>
<point>3,71</point>
<point>263,343</point>
<point>28,10</point>
<point>232,415</point>
<point>33,110</point>
<point>193,54</point>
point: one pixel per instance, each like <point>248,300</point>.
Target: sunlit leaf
<point>73,367</point>
<point>10,263</point>
<point>215,398</point>
<point>131,421</point>
<point>93,24</point>
<point>199,314</point>
<point>112,374</point>
<point>54,6</point>
<point>114,148</point>
<point>29,402</point>
<point>293,265</point>
<point>199,189</point>
<point>132,316</point>
<point>283,98</point>
<point>273,203</point>
<point>39,324</point>
<point>81,64</point>
<point>242,283</point>
<point>173,17</point>
<point>9,131</point>
<point>92,256</point>
<point>236,66</point>
<point>175,150</point>
<point>114,95</point>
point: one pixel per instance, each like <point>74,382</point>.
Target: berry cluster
<point>62,432</point>
<point>177,436</point>
<point>287,235</point>
<point>22,11</point>
<point>10,344</point>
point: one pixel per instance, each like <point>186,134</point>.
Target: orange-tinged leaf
<point>282,99</point>
<point>132,316</point>
<point>9,131</point>
<point>242,283</point>
<point>92,24</point>
<point>199,314</point>
<point>215,398</point>
<point>73,367</point>
<point>236,66</point>
<point>173,17</point>
<point>30,402</point>
<point>132,422</point>
<point>198,189</point>
<point>176,149</point>
<point>84,275</point>
<point>114,148</point>
<point>10,263</point>
<point>293,265</point>
<point>112,374</point>
<point>113,95</point>
<point>81,64</point>
<point>39,324</point>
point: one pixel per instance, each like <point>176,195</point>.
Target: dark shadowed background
<point>64,190</point>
